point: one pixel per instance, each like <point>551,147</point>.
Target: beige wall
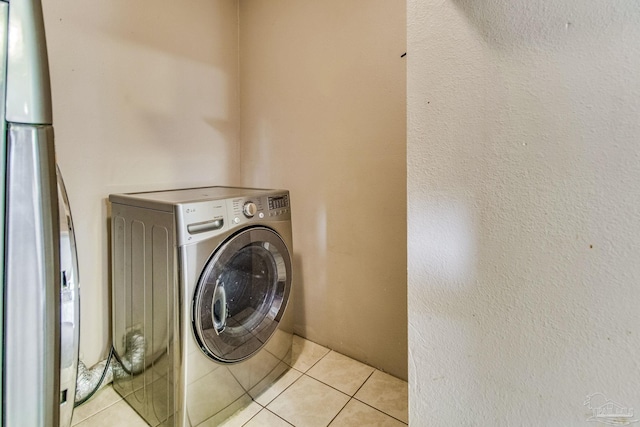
<point>523,194</point>
<point>144,97</point>
<point>323,114</point>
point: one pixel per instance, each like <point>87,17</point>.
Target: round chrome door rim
<point>219,341</point>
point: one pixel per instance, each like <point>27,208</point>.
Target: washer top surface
<point>166,200</point>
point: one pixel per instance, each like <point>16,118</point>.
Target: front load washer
<point>201,282</point>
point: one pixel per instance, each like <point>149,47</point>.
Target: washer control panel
<point>202,220</point>
<point>248,209</point>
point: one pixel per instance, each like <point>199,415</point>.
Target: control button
<point>249,209</point>
<point>236,220</point>
<point>261,215</point>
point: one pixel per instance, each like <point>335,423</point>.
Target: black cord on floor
<point>122,365</point>
<point>97,387</point>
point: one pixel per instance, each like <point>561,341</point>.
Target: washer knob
<point>249,209</point>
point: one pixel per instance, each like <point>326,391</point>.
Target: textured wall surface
<point>144,98</point>
<point>524,209</point>
<point>323,114</point>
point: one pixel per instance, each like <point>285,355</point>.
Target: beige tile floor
<point>324,388</point>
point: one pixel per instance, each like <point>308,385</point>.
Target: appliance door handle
<point>201,227</point>
<point>220,309</point>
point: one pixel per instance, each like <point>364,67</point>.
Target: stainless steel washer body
<point>201,280</point>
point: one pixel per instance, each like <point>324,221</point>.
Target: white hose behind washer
<point>131,363</point>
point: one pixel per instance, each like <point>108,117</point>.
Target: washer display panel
<point>242,294</point>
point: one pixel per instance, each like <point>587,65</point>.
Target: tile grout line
<point>369,405</point>
<point>283,390</point>
<point>278,417</point>
<point>302,374</point>
<point>99,410</point>
<point>305,373</point>
<point>340,411</point>
<point>353,396</point>
<point>264,407</point>
<point>364,382</point>
<point>380,410</point>
<point>338,390</point>
<point>317,361</point>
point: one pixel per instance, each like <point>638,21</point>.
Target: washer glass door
<point>242,294</point>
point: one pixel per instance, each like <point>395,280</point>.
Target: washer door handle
<point>201,227</point>
<point>220,308</point>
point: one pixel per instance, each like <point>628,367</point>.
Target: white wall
<point>145,97</point>
<point>523,201</point>
<point>323,114</point>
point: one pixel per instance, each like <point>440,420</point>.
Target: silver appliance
<point>40,304</point>
<point>33,393</point>
<point>201,280</point>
